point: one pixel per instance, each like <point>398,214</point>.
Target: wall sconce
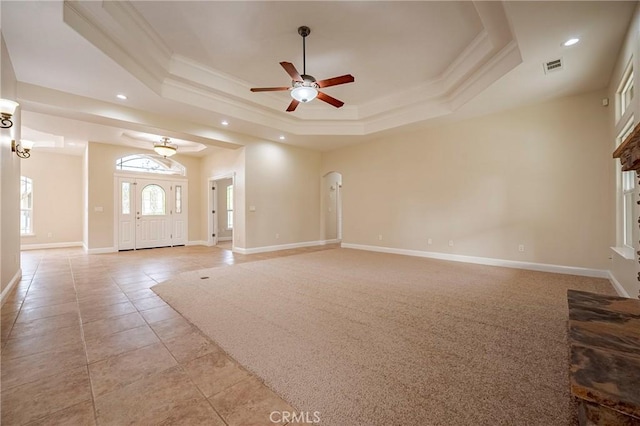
<point>22,149</point>
<point>7,108</point>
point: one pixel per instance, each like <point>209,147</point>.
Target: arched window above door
<point>150,163</point>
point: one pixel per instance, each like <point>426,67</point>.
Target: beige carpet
<point>377,339</point>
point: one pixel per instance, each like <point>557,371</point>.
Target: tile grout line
<point>81,269</point>
<point>179,364</point>
<point>251,374</point>
<point>35,380</point>
<point>21,302</point>
<point>16,319</point>
<point>84,343</point>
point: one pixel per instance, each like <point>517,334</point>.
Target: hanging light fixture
<point>7,108</point>
<point>163,148</point>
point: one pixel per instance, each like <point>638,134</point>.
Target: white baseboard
<point>326,242</point>
<point>266,249</point>
<point>7,290</point>
<point>617,286</point>
<point>50,245</point>
<point>543,267</point>
<point>101,250</point>
<point>197,243</point>
<point>225,238</point>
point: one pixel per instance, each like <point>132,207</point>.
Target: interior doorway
<point>152,212</point>
<point>221,211</point>
<point>332,206</point>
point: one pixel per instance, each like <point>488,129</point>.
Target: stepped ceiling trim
<point>122,33</point>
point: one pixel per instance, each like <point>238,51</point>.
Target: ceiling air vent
<point>552,66</point>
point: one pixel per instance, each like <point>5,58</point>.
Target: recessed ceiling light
<point>225,123</point>
<point>282,137</point>
<point>121,96</point>
<point>570,42</point>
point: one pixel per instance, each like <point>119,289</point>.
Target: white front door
<point>152,213</point>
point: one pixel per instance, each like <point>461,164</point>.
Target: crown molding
<point>53,102</point>
<point>109,37</point>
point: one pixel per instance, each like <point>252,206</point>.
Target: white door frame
<point>339,210</point>
<point>116,196</point>
<point>212,204</point>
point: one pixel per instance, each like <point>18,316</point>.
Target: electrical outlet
<point>277,236</point>
<point>429,241</point>
<point>49,235</point>
<point>450,243</point>
<point>380,237</point>
<point>521,247</point>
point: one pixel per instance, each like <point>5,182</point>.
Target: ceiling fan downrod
<point>304,31</point>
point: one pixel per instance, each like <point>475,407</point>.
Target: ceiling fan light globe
<point>304,93</point>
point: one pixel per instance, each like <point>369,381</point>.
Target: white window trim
<point>625,250</point>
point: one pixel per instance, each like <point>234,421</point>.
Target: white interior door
<point>153,213</point>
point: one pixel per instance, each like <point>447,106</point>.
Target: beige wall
<point>224,162</point>
<point>9,181</point>
<point>624,270</point>
<point>540,176</point>
<point>57,197</point>
<point>283,183</point>
<point>101,168</point>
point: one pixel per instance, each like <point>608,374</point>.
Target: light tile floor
<point>85,341</point>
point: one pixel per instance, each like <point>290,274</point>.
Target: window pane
<point>628,185</point>
<point>126,198</point>
<point>178,199</point>
<point>25,222</point>
<point>627,93</point>
<point>230,207</point>
<point>628,180</point>
<point>628,219</point>
<point>153,200</point>
<point>150,164</point>
<point>230,197</point>
<point>26,205</point>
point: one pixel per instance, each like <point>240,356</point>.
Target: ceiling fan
<point>304,87</point>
